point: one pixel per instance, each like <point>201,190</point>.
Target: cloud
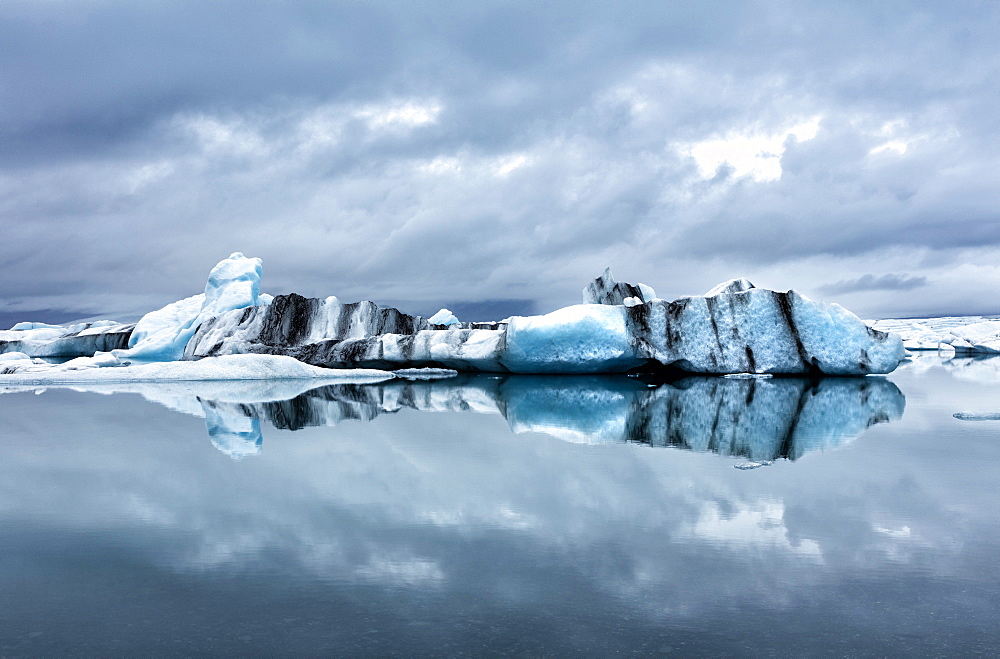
<point>399,153</point>
<point>869,282</point>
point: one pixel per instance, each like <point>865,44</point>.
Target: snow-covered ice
<point>963,334</point>
<point>740,285</point>
<point>444,317</point>
<point>108,367</point>
<point>425,373</point>
<point>75,340</point>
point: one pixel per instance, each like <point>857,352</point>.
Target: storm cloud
<point>450,153</point>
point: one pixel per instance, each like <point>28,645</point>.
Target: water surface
<point>489,515</point>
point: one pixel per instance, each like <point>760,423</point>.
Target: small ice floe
<point>425,373</point>
<point>747,376</point>
<point>977,416</point>
<point>753,464</point>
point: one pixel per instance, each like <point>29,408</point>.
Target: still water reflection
<point>365,524</point>
<point>758,419</point>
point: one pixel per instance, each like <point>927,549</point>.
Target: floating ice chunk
<point>977,416</point>
<point>754,464</point>
<point>229,367</point>
<point>99,360</point>
<point>444,317</point>
<point>425,373</point>
<point>11,356</point>
<point>981,338</point>
<point>162,335</point>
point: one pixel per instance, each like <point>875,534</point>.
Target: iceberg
<point>736,328</point>
<point>739,329</point>
<point>761,331</point>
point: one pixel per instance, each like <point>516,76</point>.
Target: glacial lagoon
<point>506,514</point>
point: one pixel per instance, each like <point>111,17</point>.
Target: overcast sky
<point>442,153</point>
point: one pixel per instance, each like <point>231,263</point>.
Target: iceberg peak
<point>234,282</point>
<point>161,335</point>
<point>739,285</point>
<point>605,290</point>
<point>444,317</point>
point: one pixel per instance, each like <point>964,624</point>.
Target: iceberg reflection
<point>757,419</point>
<point>760,420</point>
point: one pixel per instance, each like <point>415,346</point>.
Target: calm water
<point>522,515</point>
